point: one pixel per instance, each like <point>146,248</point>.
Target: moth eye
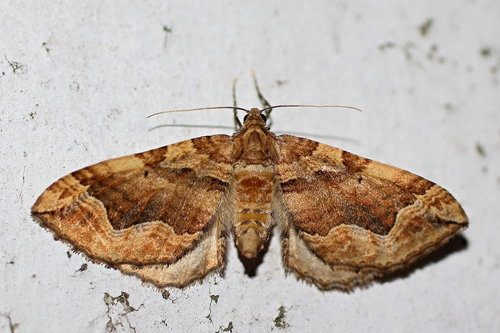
<point>245,118</point>
<point>263,116</point>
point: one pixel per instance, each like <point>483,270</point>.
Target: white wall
<point>90,72</point>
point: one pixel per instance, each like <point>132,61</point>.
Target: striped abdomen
<point>253,192</point>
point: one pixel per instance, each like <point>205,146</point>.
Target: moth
<point>164,215</point>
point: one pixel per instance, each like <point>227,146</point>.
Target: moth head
<point>255,116</point>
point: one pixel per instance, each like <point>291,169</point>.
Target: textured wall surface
<point>78,79</point>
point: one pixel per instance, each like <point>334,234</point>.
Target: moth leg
<point>237,122</point>
<point>263,101</point>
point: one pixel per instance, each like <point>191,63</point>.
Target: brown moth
<point>164,215</point>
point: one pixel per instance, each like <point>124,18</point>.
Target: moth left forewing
<point>359,217</point>
<point>144,209</point>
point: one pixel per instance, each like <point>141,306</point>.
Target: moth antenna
<point>197,109</point>
<point>311,106</point>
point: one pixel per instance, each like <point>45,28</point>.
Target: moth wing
<point>206,256</point>
<point>350,218</point>
<point>150,208</point>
